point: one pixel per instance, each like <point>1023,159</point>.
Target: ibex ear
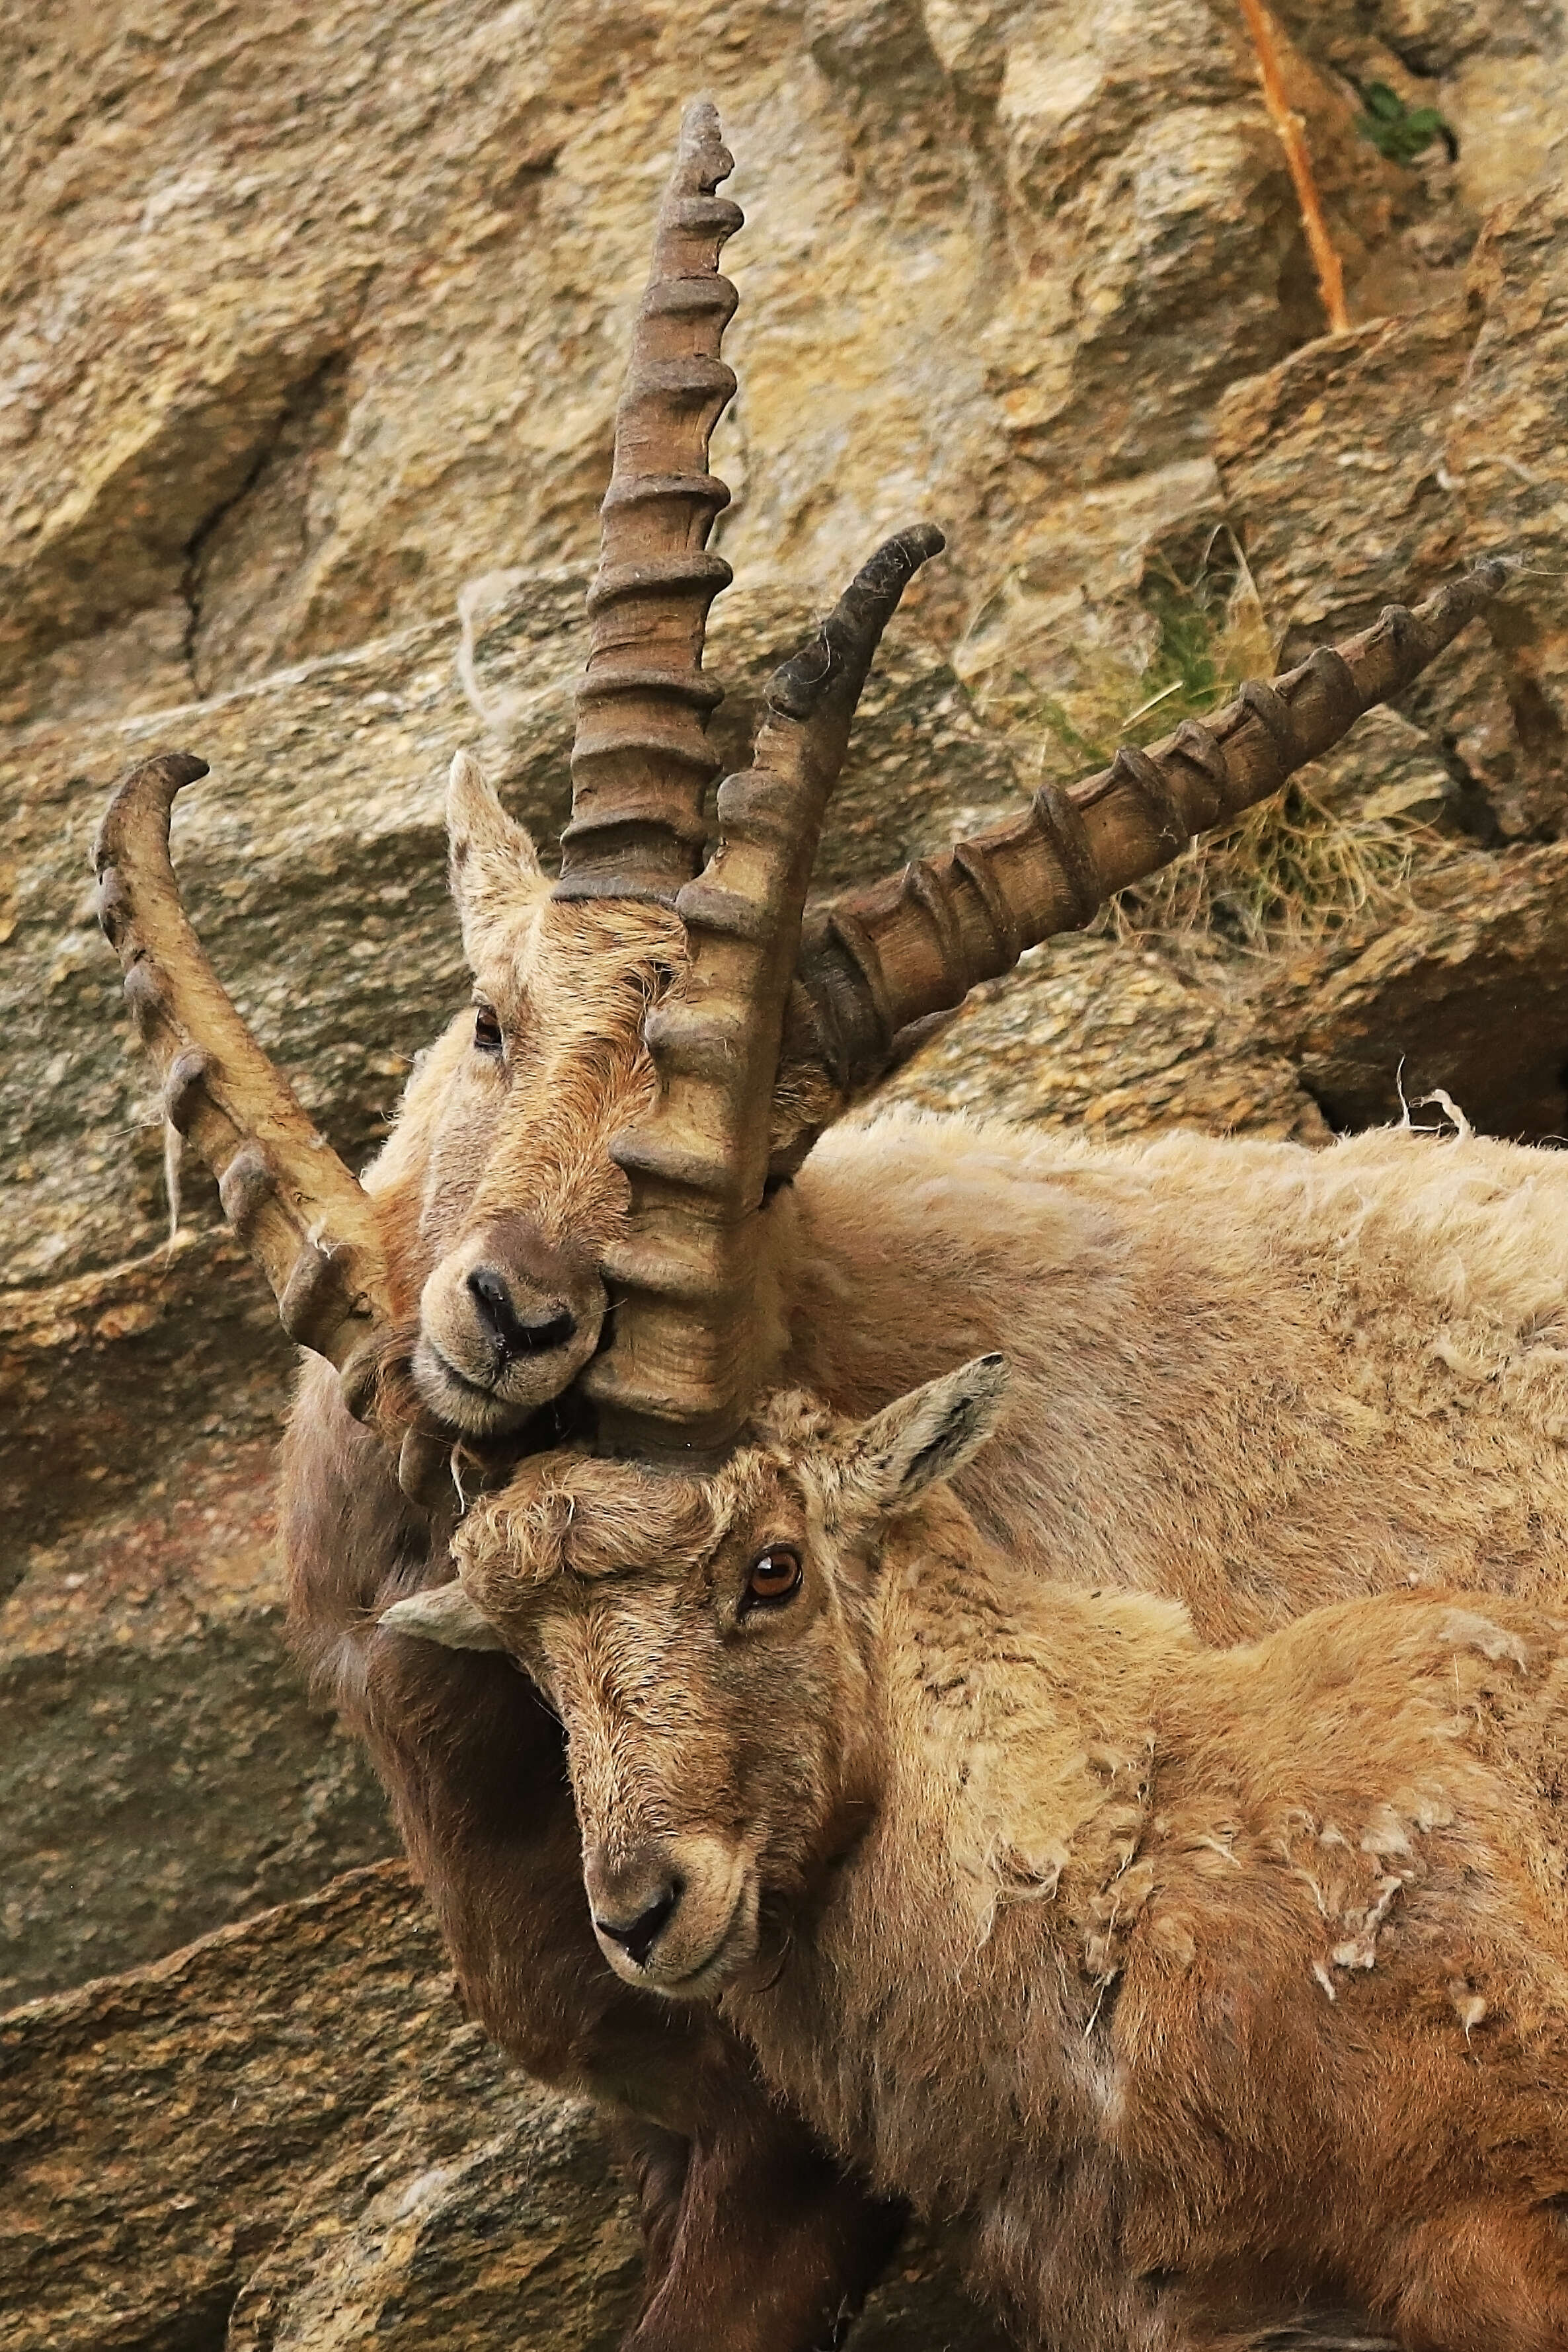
<point>926,1436</point>
<point>493,866</point>
<point>443,1613</point>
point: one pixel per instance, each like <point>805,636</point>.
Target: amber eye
<point>774,1578</point>
<point>487,1030</point>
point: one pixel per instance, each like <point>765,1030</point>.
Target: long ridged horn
<point>299,1212</point>
<point>677,1377</point>
<point>917,942</point>
<point>640,764</point>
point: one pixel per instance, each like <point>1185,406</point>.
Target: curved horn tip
<point>166,773</point>
<point>884,576</point>
<point>905,552</point>
<point>1494,573</point>
<point>840,656</point>
<point>923,540</point>
<point>180,767</point>
<point>890,571</point>
<point>174,769</point>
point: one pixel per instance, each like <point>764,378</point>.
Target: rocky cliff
<point>309,335</point>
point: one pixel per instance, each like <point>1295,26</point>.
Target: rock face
<point>287,2136</point>
<point>303,331</point>
<point>204,2131</point>
<point>309,340</point>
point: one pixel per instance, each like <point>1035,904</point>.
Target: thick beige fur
<point>1200,1985</point>
<point>1249,1375</point>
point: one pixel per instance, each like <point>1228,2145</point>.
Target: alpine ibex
<point>454,1300</point>
<point>1198,1985</point>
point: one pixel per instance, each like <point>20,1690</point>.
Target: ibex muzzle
<point>505,1320</point>
<point>677,1914</point>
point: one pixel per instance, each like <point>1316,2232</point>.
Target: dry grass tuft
<point>1288,871</point>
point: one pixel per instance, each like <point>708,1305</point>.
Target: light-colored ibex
<point>1197,1985</point>
<point>1167,1308</point>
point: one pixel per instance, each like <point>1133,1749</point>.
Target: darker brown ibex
<point>456,1298</point>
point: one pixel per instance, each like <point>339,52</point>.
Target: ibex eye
<point>774,1578</point>
<point>487,1030</point>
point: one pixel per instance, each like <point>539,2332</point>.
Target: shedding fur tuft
<point>174,1149</point>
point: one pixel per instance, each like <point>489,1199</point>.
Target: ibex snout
<point>495,1303</point>
<point>676,1915</point>
<point>506,1320</point>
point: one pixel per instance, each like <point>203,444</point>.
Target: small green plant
<point>1289,870</point>
<point>1399,131</point>
<point>1210,635</point>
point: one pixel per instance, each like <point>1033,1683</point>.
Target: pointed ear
<point>443,1613</point>
<point>929,1434</point>
<point>493,866</point>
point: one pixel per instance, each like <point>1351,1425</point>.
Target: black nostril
<point>512,1336</point>
<point>538,1339</point>
<point>489,1294</point>
<point>638,1940</point>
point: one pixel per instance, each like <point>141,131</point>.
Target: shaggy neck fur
<point>1133,1970</point>
<point>986,1935</point>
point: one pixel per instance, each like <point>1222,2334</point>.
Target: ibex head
<point>655,1045</point>
<point>706,1641</point>
<point>508,1123</point>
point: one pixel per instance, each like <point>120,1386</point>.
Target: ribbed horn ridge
<point>299,1212</point>
<point>640,764</point>
<point>917,942</point>
<point>678,1379</point>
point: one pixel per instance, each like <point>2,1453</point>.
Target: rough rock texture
<point>1469,994</point>
<point>306,324</point>
<point>1434,432</point>
<point>310,337</point>
<point>292,2107</point>
<point>161,1767</point>
<point>286,2139</point>
<point>1098,1036</point>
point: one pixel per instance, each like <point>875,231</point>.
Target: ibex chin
<point>1198,1985</point>
<point>1234,1343</point>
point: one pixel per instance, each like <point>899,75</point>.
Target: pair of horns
<point>760,985</point>
<point>679,1377</point>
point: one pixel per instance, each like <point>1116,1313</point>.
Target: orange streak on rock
<point>1331,278</point>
